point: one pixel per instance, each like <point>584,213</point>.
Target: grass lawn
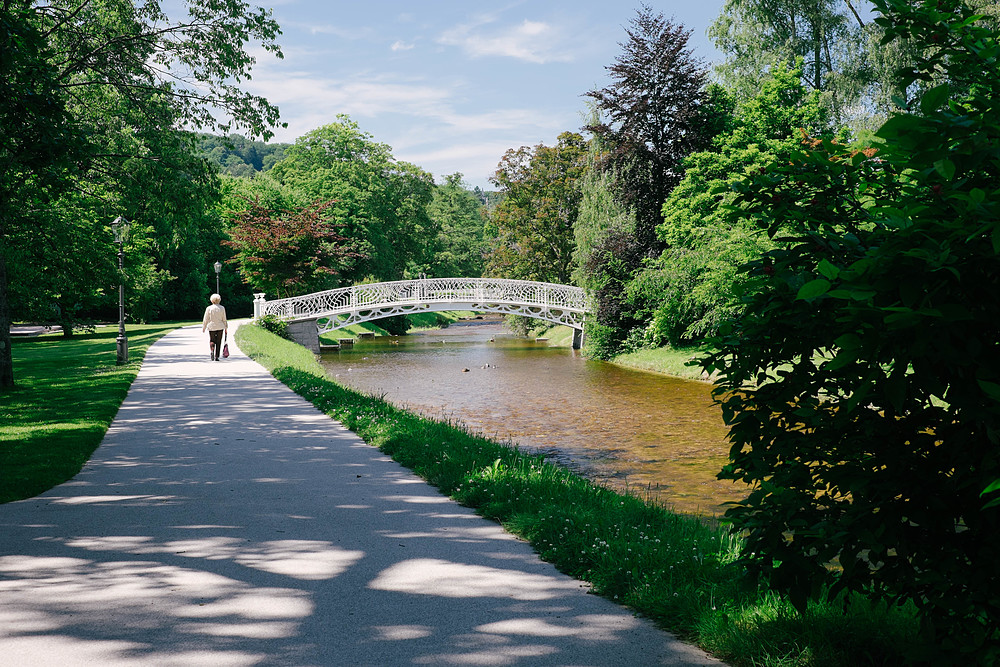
<point>68,391</point>
<point>667,360</point>
<point>672,568</point>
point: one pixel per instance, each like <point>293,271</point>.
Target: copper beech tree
<point>286,252</point>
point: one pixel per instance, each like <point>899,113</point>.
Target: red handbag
<point>225,347</point>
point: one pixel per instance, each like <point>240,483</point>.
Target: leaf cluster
<point>532,227</point>
<point>862,385</point>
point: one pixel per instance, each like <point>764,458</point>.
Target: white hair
<point>215,298</point>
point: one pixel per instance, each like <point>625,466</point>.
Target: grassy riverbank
<point>69,390</point>
<point>671,568</point>
<point>667,360</point>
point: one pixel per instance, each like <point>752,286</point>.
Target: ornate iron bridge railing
<point>337,308</point>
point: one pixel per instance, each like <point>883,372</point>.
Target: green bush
<point>274,324</point>
<point>862,387</point>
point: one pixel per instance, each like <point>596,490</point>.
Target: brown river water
<point>654,435</point>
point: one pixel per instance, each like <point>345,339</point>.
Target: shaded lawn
<point>68,391</point>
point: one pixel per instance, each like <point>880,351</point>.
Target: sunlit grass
<point>668,360</point>
<point>673,568</point>
<point>68,391</point>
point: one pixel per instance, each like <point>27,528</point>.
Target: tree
<point>456,212</point>
<point>62,56</point>
<point>381,201</point>
<point>842,53</point>
<point>656,111</point>
<point>531,229</point>
<point>288,252</point>
<point>862,384</point>
<point>39,144</point>
<point>238,156</point>
<point>695,284</point>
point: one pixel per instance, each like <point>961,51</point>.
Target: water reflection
<point>650,433</point>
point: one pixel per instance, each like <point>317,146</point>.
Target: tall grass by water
<point>68,391</point>
<point>675,569</point>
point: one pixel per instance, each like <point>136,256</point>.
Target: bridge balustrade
<point>336,308</point>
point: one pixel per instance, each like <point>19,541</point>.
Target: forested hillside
<point>238,156</point>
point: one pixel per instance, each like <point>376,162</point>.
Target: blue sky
<point>452,85</point>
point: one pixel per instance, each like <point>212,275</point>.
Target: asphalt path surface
<point>226,521</point>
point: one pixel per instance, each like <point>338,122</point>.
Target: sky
<point>452,85</point>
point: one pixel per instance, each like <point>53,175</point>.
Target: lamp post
<point>218,268</point>
<point>120,229</point>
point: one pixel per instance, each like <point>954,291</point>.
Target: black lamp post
<point>218,268</point>
<point>120,228</point>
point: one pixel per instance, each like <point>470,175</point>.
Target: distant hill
<point>239,156</point>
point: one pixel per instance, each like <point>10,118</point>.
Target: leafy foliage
<point>274,324</point>
<point>291,251</point>
<point>382,202</point>
<point>238,156</point>
<point>695,285</point>
<point>531,229</point>
<point>93,94</point>
<point>862,386</point>
<point>655,112</point>
<point>457,213</point>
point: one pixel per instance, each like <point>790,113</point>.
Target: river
<point>654,435</point>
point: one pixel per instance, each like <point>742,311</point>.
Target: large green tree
<point>862,384</point>
<point>117,73</point>
<point>531,229</point>
<point>382,202</point>
<point>695,284</point>
<point>656,110</point>
<point>457,213</point>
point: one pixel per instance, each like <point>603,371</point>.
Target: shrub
<point>274,324</point>
<point>862,387</point>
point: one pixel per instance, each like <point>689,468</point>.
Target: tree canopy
<point>97,90</point>
<point>531,229</point>
<point>382,202</point>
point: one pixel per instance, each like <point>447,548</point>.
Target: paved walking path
<point>226,521</point>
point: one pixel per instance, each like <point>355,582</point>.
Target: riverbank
<point>674,569</point>
<point>666,360</point>
<point>68,391</point>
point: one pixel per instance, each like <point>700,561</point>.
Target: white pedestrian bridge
<point>312,314</point>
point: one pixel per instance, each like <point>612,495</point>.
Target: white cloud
<point>401,46</point>
<point>531,41</point>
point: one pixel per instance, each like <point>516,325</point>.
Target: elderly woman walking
<point>215,322</point>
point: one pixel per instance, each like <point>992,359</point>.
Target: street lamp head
<point>120,229</point>
<point>218,267</point>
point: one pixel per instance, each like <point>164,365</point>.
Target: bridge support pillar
<point>305,334</point>
<point>577,339</point>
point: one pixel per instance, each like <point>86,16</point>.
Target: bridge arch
<point>311,314</point>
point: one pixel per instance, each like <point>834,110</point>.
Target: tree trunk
<point>6,354</point>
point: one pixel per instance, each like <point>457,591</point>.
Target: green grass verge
<point>68,391</point>
<point>559,335</point>
<point>667,360</point>
<point>672,568</point>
